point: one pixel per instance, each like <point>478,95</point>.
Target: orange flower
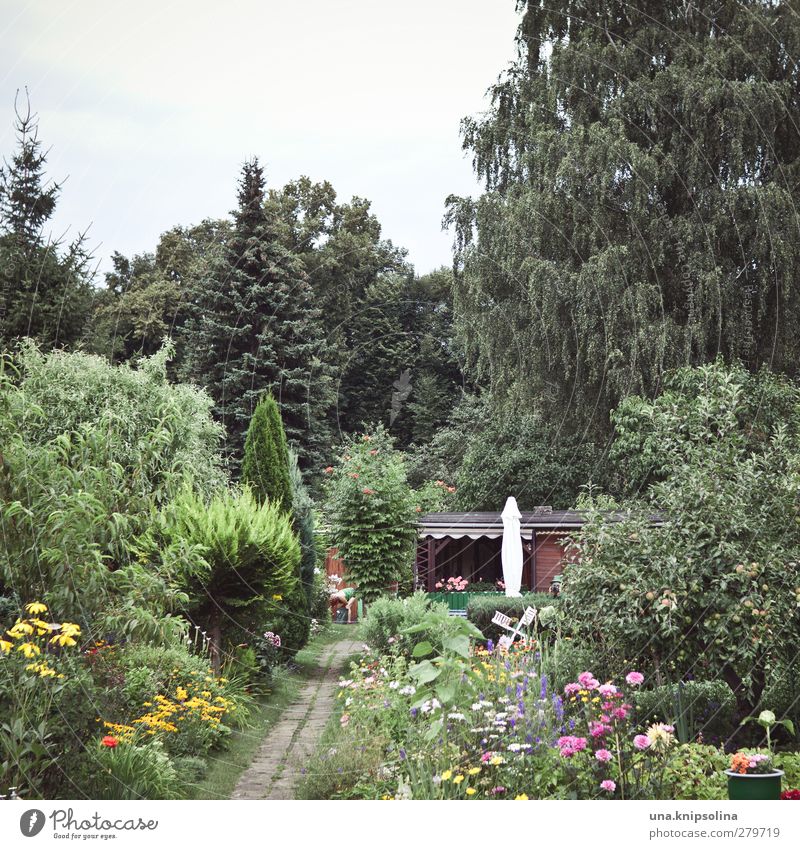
<point>109,742</point>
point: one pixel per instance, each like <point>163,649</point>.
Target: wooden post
<point>533,560</point>
<point>431,563</point>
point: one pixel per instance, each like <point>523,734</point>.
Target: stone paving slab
<point>276,768</point>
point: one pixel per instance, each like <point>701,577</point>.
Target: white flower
<point>477,706</point>
<point>348,701</point>
<point>514,747</point>
<point>409,690</point>
<point>500,717</point>
<point>459,716</point>
<point>504,700</point>
<point>393,685</point>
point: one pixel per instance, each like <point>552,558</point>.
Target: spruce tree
<point>265,467</point>
<point>254,328</point>
<point>44,293</point>
<point>639,212</point>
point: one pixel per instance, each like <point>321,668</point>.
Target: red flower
<point>374,451</point>
<point>368,491</point>
<point>109,742</point>
<point>328,470</point>
<point>791,794</point>
<point>366,438</point>
<point>353,475</point>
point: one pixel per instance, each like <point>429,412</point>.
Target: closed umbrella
<point>511,554</point>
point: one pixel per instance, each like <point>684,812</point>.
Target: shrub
<point>705,593</point>
<point>265,467</point>
<point>695,771</point>
<point>372,513</point>
<point>694,707</point>
<point>63,392</point>
<point>249,554</point>
<point>289,618</point>
<point>303,513</point>
<point>130,771</point>
<point>387,618</point>
<point>481,610</point>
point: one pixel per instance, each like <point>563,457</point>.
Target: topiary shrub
<point>265,466</point>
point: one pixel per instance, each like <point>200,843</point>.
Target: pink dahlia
<point>608,785</point>
<point>603,755</point>
<point>641,742</point>
<point>634,678</point>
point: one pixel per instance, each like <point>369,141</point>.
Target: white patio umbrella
<point>511,553</point>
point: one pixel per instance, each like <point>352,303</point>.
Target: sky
<point>150,108</point>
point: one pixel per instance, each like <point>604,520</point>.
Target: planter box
<point>457,602</point>
<point>765,786</point>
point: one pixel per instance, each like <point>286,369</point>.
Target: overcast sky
<point>150,106</point>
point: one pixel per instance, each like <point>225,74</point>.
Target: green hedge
<point>480,610</point>
<point>693,707</point>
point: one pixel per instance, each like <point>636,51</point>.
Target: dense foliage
<point>250,557</point>
<point>372,513</point>
<point>711,589</point>
<point>638,211</point>
<point>265,467</point>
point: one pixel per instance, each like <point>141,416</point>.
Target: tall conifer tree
<point>44,293</point>
<point>255,328</point>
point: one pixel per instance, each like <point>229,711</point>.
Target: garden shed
<point>468,545</point>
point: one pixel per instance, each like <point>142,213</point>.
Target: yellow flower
<point>69,629</point>
<point>497,760</point>
<point>475,770</point>
<point>29,649</point>
<point>5,646</point>
<point>458,779</point>
<point>447,775</point>
<point>523,797</point>
<point>36,607</point>
<point>41,627</point>
<point>471,791</point>
<point>181,694</point>
<point>277,597</point>
<point>62,640</point>
<point>21,629</point>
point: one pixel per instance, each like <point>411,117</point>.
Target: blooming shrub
<point>372,513</point>
<point>37,663</point>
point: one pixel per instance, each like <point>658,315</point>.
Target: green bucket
<point>766,786</point>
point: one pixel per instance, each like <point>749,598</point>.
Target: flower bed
<point>499,732</point>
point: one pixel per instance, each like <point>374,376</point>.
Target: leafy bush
<point>693,707</point>
<point>388,618</point>
<point>249,554</point>
<point>481,610</point>
<point>705,593</point>
<point>64,392</point>
<point>289,618</point>
<point>372,513</point>
<point>130,771</point>
<point>696,771</point>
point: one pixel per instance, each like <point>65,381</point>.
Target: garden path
<point>288,747</point>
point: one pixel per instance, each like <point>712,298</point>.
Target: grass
<point>227,766</point>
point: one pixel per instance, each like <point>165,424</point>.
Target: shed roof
<point>477,525</point>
